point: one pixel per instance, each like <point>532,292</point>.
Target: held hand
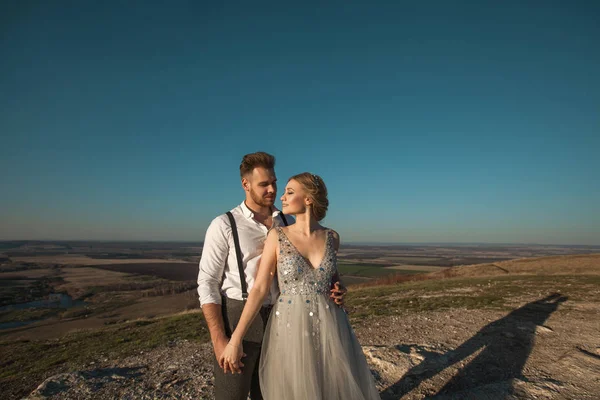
<point>230,359</point>
<point>337,293</point>
<point>219,345</point>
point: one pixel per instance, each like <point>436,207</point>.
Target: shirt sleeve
<point>212,263</point>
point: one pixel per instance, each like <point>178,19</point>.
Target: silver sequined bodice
<point>295,274</point>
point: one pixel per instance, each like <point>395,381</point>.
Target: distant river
<point>55,300</point>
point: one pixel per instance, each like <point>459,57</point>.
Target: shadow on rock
<point>503,348</point>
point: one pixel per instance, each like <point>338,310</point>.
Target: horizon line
<point>350,243</point>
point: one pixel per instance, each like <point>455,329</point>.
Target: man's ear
<point>245,184</point>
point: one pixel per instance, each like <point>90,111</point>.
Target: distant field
<point>352,272</point>
<point>189,271</point>
<point>78,280</point>
<point>387,260</point>
<point>363,270</point>
<point>418,268</point>
<point>179,271</point>
<point>361,273</point>
<point>85,260</point>
<point>382,257</point>
<point>27,274</point>
<point>414,260</point>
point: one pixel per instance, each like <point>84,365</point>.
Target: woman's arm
<point>230,358</point>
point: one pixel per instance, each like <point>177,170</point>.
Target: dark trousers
<point>237,386</point>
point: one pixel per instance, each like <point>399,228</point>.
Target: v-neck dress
<point>309,349</point>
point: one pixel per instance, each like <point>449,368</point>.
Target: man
<point>219,283</point>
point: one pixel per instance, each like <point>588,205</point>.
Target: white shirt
<point>219,272</point>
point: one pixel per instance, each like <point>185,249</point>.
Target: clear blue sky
<point>438,121</point>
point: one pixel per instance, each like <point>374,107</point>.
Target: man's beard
<point>261,201</point>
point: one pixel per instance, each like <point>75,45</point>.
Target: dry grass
<point>588,264</point>
<point>79,280</point>
<point>499,285</point>
<point>555,265</point>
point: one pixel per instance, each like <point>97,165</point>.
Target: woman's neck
<point>305,224</point>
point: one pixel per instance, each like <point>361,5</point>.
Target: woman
<point>309,349</point>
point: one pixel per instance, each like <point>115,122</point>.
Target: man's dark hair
<point>254,160</point>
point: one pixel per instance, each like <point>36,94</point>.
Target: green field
<point>369,270</point>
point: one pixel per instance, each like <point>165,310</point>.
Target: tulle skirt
<point>310,352</point>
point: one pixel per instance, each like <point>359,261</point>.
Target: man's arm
<point>230,358</point>
<point>214,320</point>
<point>212,264</point>
<point>338,290</point>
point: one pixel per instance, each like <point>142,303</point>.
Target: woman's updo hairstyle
<point>315,190</point>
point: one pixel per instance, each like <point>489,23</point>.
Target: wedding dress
<point>309,349</point>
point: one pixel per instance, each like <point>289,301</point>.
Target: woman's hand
<point>231,357</point>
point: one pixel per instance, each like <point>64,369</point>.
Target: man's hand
<point>219,345</point>
<point>337,293</point>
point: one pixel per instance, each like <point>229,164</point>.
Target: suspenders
<point>238,252</point>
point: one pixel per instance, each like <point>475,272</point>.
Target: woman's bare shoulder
<point>273,232</point>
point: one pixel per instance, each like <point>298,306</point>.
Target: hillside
<point>519,329</point>
<point>555,265</point>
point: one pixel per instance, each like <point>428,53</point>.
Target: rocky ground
<point>548,347</point>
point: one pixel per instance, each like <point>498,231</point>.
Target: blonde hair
<point>254,160</point>
<point>316,191</point>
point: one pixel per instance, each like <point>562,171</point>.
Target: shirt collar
<point>249,214</point>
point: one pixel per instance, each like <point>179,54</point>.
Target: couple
<point>309,351</point>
